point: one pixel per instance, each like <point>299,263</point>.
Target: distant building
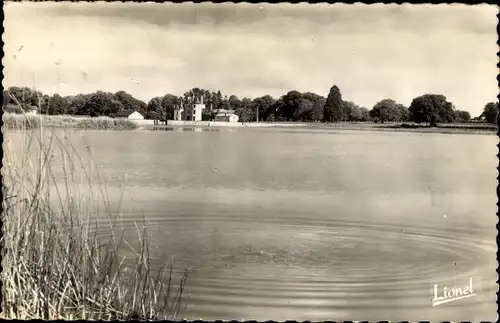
<point>219,111</point>
<point>31,110</point>
<point>189,111</point>
<point>227,117</point>
<point>129,114</point>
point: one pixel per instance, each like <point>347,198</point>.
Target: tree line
<point>293,106</point>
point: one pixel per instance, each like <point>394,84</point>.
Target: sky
<point>371,52</point>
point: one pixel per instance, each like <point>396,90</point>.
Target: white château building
<point>190,111</point>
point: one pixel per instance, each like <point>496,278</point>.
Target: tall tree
<point>304,110</point>
<point>275,111</point>
<point>57,105</point>
<point>196,95</point>
<point>490,113</point>
<point>216,100</point>
<point>354,112</point>
<point>431,108</point>
<point>44,104</point>
<point>77,104</point>
<point>155,109</point>
<point>334,110</point>
<point>245,110</point>
<point>318,110</point>
<point>102,104</point>
<point>462,116</point>
<point>262,107</point>
<point>25,96</point>
<point>224,103</point>
<point>404,113</point>
<point>288,111</point>
<point>313,97</point>
<point>389,110</point>
<point>129,102</point>
<point>234,103</point>
<point>365,114</point>
<point>315,109</point>
<point>168,104</point>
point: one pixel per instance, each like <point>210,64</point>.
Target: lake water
<point>281,224</point>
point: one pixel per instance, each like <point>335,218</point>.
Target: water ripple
<point>245,262</point>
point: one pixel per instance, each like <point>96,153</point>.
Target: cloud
<point>370,52</point>
<point>348,18</point>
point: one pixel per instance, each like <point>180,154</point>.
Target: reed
<point>57,263</point>
<point>34,121</point>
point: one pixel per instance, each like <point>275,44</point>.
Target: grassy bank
<point>56,264</point>
<point>465,128</point>
<point>468,126</point>
<point>30,121</point>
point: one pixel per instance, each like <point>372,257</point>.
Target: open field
<point>56,264</point>
<point>30,121</point>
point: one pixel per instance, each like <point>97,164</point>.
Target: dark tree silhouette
<point>490,112</point>
<point>431,108</point>
<point>334,110</point>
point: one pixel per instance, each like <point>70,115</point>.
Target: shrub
<point>30,121</point>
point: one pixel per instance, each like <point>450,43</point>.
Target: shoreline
<point>18,122</point>
<point>12,121</point>
<point>466,128</point>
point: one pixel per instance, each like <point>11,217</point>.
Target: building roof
<point>223,111</point>
<point>124,113</point>
<point>226,115</point>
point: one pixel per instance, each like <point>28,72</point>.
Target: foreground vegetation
<point>56,264</point>
<point>31,121</point>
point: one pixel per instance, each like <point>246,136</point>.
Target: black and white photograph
<point>237,161</point>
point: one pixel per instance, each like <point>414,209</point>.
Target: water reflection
<point>186,129</point>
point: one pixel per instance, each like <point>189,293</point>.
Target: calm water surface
<point>312,225</point>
